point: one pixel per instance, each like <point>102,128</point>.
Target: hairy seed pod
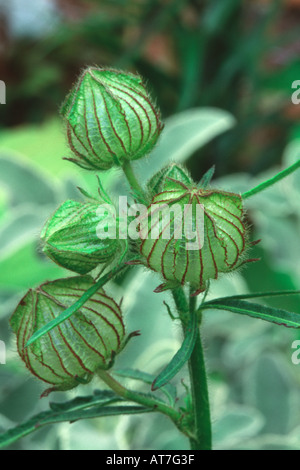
<point>72,237</point>
<point>71,352</point>
<point>110,119</point>
<point>215,242</point>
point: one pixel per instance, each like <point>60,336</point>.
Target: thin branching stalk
<point>142,399</point>
<point>131,178</point>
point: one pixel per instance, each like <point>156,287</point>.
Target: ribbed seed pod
<point>71,352</point>
<point>220,234</point>
<point>110,118</point>
<point>71,237</point>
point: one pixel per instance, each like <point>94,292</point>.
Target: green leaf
<point>33,141</point>
<point>24,184</point>
<point>274,278</point>
<point>21,268</point>
<point>183,134</point>
<point>259,294</point>
<point>268,388</point>
<point>79,408</point>
<point>181,357</point>
<point>100,411</point>
<point>169,390</point>
<point>266,184</point>
<point>20,226</point>
<point>271,314</point>
<point>59,412</point>
<point>80,403</point>
<point>216,15</point>
<point>76,306</point>
<point>3,204</point>
<point>236,424</point>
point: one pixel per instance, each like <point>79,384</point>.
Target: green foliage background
<point>222,74</point>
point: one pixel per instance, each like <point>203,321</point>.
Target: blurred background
<point>222,74</point>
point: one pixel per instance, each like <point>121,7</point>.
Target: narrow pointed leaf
<point>266,184</point>
<point>100,411</point>
<point>257,295</point>
<point>271,314</point>
<point>77,409</point>
<point>59,412</point>
<point>100,397</point>
<point>181,357</point>
<point>76,306</point>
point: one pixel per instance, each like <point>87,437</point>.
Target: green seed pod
<point>71,352</point>
<point>200,235</point>
<point>72,236</point>
<point>173,171</point>
<point>110,119</point>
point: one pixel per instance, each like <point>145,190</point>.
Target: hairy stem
<point>199,389</point>
<point>202,437</point>
<point>181,304</point>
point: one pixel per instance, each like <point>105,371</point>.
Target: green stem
<point>202,436</point>
<point>140,398</point>
<point>181,305</point>
<point>131,178</point>
<point>272,181</point>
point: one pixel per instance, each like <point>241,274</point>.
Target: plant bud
<point>173,171</point>
<point>71,352</point>
<point>199,234</point>
<point>110,119</point>
<point>71,236</point>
